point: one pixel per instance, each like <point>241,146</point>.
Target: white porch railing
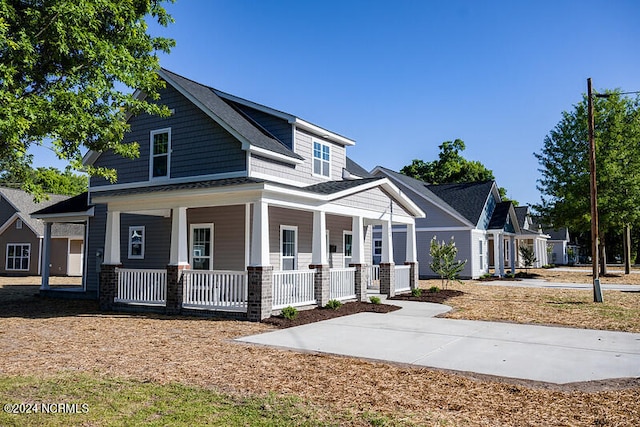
<point>293,288</point>
<point>403,282</point>
<point>215,290</point>
<point>141,286</point>
<point>342,283</point>
<point>373,276</point>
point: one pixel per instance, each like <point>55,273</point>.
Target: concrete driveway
<point>412,335</point>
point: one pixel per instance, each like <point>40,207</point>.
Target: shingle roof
<point>468,199</point>
<point>331,187</point>
<point>500,215</point>
<point>74,204</point>
<point>355,169</point>
<point>241,123</point>
<point>24,203</point>
<point>521,214</point>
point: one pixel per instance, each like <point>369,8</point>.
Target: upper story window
<point>18,224</point>
<point>321,159</point>
<point>160,153</point>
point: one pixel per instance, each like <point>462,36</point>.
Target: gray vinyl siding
<point>301,219</point>
<point>399,247</point>
<point>6,210</point>
<point>228,234</point>
<point>157,241</point>
<point>22,236</point>
<point>436,216</point>
<point>301,173</point>
<point>373,200</point>
<point>463,243</point>
<point>95,247</point>
<point>199,146</point>
<point>337,225</point>
<point>280,128</point>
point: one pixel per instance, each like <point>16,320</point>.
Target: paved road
<point>412,335</point>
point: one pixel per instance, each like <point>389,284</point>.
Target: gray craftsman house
<point>22,237</point>
<point>483,226</point>
<point>237,209</point>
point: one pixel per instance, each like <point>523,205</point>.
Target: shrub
<point>434,289</point>
<point>486,276</point>
<point>443,261</point>
<point>289,312</point>
<point>333,304</point>
<point>375,300</point>
<point>528,257</point>
<point>416,292</point>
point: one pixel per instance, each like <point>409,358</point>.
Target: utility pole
<point>595,239</point>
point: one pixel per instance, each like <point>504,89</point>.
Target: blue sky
<point>401,77</point>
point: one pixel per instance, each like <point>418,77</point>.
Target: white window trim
<point>18,224</point>
<point>151,155</point>
<point>344,249</point>
<point>6,265</point>
<point>294,228</point>
<point>313,158</point>
<point>193,227</point>
<point>130,242</point>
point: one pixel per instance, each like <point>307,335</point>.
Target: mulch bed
<point>437,297</point>
<point>318,314</point>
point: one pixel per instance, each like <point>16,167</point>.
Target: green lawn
<point>118,402</point>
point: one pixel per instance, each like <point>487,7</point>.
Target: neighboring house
<point>235,207</point>
<point>21,238</point>
<point>560,247</point>
<point>473,214</point>
<point>532,236</point>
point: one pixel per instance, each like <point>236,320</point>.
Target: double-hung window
<point>18,255</point>
<point>160,160</point>
<point>136,242</point>
<point>481,253</point>
<point>321,159</point>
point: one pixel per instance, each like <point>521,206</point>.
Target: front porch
<point>227,293</point>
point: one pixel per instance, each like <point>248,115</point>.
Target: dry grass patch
<point>44,338</point>
<point>563,307</point>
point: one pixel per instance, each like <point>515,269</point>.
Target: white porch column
<point>319,245</point>
<point>411,243</point>
<point>112,239</point>
<point>498,256</point>
<point>387,242</point>
<point>357,244</point>
<point>179,253</point>
<point>260,234</point>
<point>45,256</point>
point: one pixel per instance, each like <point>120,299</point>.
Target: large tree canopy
<point>451,167</point>
<point>564,162</point>
<point>68,70</point>
<point>49,180</point>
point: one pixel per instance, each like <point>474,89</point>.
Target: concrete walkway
<point>542,283</point>
<point>412,335</point>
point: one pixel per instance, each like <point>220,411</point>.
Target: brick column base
<point>388,279</point>
<point>108,286</point>
<point>321,281</point>
<point>174,288</point>
<point>413,275</point>
<point>361,281</point>
<point>260,288</point>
